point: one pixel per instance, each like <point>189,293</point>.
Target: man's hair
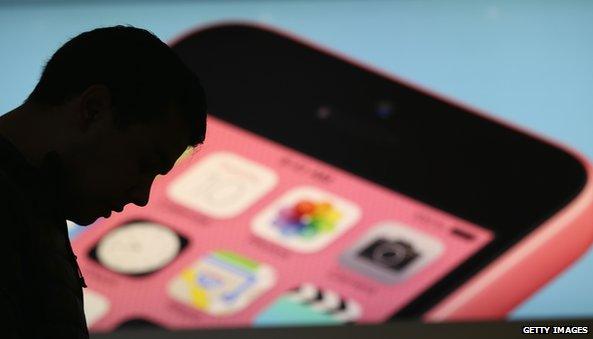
<point>143,75</point>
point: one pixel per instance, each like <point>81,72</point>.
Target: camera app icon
<point>391,252</point>
<point>394,255</point>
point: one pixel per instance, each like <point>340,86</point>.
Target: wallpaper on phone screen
<point>246,232</point>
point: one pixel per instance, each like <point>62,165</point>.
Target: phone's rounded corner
<point>225,23</point>
<point>528,265</point>
<point>586,190</point>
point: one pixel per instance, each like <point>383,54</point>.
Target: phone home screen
<point>247,232</point>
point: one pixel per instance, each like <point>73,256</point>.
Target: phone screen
<point>247,232</point>
<point>325,193</point>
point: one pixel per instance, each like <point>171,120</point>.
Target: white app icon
<point>95,306</point>
<point>391,252</point>
<point>305,219</point>
<point>222,185</point>
<point>138,248</point>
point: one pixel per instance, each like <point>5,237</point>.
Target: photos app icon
<point>305,219</point>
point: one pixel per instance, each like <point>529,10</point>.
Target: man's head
<point>123,108</point>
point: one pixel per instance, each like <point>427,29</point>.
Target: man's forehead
<point>170,137</point>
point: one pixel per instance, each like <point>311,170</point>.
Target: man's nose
<point>141,201</point>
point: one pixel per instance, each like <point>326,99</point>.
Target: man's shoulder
<point>10,242</point>
<point>8,188</point>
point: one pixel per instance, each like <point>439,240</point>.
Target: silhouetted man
<point>114,108</point>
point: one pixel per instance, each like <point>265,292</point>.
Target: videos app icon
<point>310,305</point>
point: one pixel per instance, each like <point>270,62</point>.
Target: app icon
<point>138,248</point>
<point>222,185</point>
<point>391,252</point>
<point>222,283</point>
<point>95,306</point>
<point>305,219</point>
<point>309,305</point>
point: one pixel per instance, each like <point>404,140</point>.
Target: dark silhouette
<point>114,108</point>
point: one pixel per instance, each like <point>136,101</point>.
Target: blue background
<point>530,62</point>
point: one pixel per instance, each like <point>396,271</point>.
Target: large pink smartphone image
<point>257,229</point>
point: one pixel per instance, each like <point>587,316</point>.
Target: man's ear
<point>94,106</point>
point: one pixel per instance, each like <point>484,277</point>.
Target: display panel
<point>247,232</point>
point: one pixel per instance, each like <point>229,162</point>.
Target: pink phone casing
<point>529,264</point>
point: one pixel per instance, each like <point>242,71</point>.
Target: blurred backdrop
<point>530,62</point>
